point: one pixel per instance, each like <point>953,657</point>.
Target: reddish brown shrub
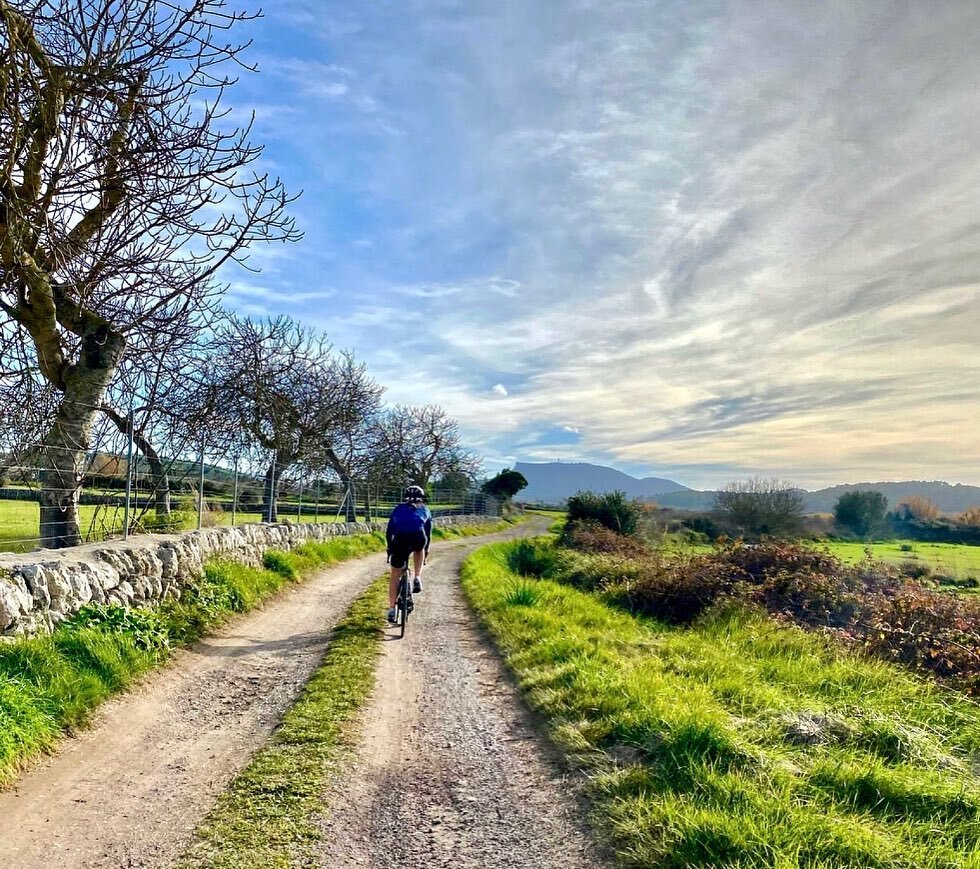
<point>592,537</point>
<point>929,630</point>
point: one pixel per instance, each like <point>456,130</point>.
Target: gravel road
<point>450,770</point>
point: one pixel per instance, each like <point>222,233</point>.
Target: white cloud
<point>735,236</point>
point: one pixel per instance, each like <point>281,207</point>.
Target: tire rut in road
<point>451,771</point>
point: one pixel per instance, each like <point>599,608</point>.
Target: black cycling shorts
<point>403,545</point>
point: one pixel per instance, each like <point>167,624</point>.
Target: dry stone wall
<point>40,589</point>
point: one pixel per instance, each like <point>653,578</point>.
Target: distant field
<point>19,520</point>
<point>947,559</point>
<point>19,528</point>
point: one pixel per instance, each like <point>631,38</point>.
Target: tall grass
<point>737,741</point>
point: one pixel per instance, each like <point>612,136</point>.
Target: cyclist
<point>409,533</point>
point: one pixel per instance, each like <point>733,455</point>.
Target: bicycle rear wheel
<point>403,599</point>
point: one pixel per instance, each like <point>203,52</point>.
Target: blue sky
<point>696,240</point>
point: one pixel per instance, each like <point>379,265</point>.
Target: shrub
<point>761,507</point>
<point>914,569</point>
<point>612,510</point>
<point>861,512</point>
<point>705,525</point>
<point>589,536</point>
<point>929,630</point>
<point>918,507</point>
<point>869,606</point>
<point>679,591</point>
<point>533,558</point>
<point>970,516</point>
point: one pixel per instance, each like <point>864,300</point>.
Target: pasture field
<point>738,741</point>
<point>19,521</point>
<point>956,560</point>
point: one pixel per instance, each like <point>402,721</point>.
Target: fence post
<point>200,492</point>
<point>299,508</point>
<point>272,487</point>
<point>129,475</point>
<point>234,496</point>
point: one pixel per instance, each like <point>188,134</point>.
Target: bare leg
<point>418,557</point>
<point>396,574</point>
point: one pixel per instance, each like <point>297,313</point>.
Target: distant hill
<point>551,482</point>
<point>949,498</point>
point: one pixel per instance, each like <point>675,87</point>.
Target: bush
<point>705,525</point>
<point>533,558</point>
<point>612,510</point>
<point>587,536</point>
<point>861,512</point>
<point>914,569</point>
<point>763,508</point>
<point>928,630</point>
<point>970,517</point>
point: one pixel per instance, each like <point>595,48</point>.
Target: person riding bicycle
<point>409,532</point>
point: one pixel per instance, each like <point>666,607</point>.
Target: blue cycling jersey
<point>409,519</point>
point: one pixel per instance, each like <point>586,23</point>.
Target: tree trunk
<point>68,439</point>
<point>351,502</point>
<point>158,472</point>
<point>271,491</point>
<point>159,477</point>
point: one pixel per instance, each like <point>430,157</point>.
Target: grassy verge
<point>739,742</point>
<point>266,817</point>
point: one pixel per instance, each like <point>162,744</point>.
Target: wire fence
<point>121,493</point>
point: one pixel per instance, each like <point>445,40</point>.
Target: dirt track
<point>460,763</point>
<point>450,771</point>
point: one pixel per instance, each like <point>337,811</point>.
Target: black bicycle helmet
<point>414,493</point>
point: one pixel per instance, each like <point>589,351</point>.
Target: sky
<point>699,240</point>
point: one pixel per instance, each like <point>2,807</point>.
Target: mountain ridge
<point>552,482</point>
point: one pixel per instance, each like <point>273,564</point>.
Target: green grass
<point>693,738</point>
<point>956,560</point>
<point>267,816</point>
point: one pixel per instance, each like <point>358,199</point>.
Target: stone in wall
<point>40,589</point>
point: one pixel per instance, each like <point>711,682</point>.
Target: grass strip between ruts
<point>52,683</point>
<point>737,741</point>
<point>267,816</point>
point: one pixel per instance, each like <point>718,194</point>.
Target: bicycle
<point>404,603</point>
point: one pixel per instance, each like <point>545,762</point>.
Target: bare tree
<point>303,403</point>
<point>122,192</point>
<point>763,506</point>
<point>421,443</point>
